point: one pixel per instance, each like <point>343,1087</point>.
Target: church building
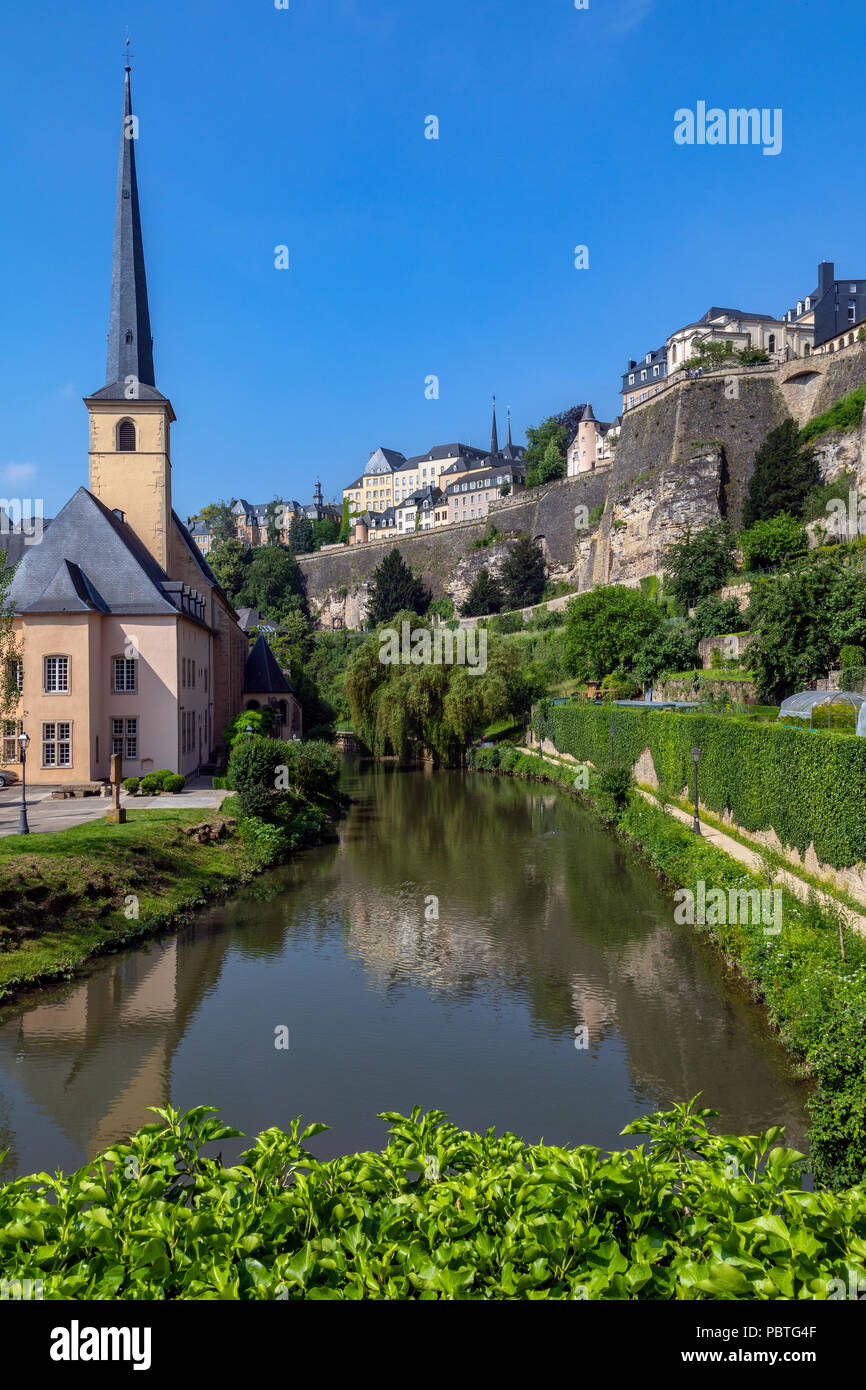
<point>128,644</point>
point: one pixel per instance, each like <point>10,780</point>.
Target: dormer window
<point>126,437</point>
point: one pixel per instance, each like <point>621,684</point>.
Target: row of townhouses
<point>255,521</point>
<point>394,495</point>
<point>824,321</point>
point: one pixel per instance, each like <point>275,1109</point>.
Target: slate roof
<point>262,675</point>
<point>198,556</point>
<point>89,560</point>
<point>130,345</point>
<point>13,538</point>
<point>444,451</point>
<point>507,469</point>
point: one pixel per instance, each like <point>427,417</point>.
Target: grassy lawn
<point>63,896</point>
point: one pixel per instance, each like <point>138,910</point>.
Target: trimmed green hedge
<point>805,786</point>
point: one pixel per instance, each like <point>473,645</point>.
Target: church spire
<point>130,346</point>
<point>494,437</point>
<point>508,445</point>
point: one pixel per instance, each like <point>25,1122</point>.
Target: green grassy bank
<point>814,995</point>
<point>71,894</point>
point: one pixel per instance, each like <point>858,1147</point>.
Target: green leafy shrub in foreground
<point>174,783</point>
<point>440,1213</point>
<point>131,784</point>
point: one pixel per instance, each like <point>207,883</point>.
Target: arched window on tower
<point>126,437</point>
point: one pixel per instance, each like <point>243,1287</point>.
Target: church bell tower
<point>130,421</point>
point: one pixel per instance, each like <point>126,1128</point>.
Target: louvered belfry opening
<point>126,437</point>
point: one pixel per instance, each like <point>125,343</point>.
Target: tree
<point>785,470</point>
<point>544,459</point>
<point>275,514</point>
<point>300,535</point>
<point>523,575</point>
<point>229,562</point>
<point>394,588</point>
<point>714,617</point>
<point>10,645</point>
<point>773,543</point>
<point>220,519</point>
<point>699,563</point>
<point>325,532</point>
<point>485,596</point>
<point>273,582</point>
<point>344,527</point>
<point>672,647</point>
<point>852,661</point>
<point>605,629</point>
<point>436,707</point>
<point>504,488</point>
<point>795,643</point>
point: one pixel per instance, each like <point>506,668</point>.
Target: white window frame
<point>60,675</point>
<point>57,740</point>
<point>11,749</point>
<point>129,667</point>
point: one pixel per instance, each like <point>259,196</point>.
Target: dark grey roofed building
<point>91,560</point>
<point>640,373</point>
<point>262,674</point>
<point>380,520</point>
<point>468,452</point>
<point>501,471</point>
<point>838,305</point>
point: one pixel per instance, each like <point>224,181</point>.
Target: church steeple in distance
<point>494,437</point>
<point>130,346</point>
<point>508,444</point>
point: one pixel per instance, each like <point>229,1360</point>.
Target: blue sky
<point>409,257</point>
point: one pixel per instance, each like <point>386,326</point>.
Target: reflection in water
<point>442,952</point>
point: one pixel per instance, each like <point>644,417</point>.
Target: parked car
<point>7,777</point>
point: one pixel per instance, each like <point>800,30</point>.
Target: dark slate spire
<point>509,445</point>
<point>130,346</point>
<point>587,413</point>
<point>494,438</point>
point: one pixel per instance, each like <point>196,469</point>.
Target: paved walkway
<point>738,851</point>
<point>44,815</point>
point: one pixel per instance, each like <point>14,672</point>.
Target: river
<point>449,950</point>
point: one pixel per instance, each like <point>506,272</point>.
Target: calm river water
<point>546,924</point>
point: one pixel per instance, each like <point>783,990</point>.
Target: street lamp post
<point>249,732</point>
<point>23,741</point>
<point>696,826</point>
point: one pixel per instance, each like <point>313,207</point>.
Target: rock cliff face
<point>684,458</point>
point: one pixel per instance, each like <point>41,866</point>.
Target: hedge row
<point>806,786</point>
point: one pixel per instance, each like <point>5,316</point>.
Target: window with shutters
<point>126,437</point>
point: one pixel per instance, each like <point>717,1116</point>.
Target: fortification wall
<point>684,458</point>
